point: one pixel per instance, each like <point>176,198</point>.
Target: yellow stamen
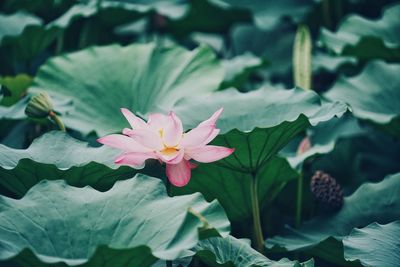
<point>161,132</point>
<point>169,151</point>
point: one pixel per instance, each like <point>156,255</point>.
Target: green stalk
<point>302,58</point>
<point>299,200</point>
<point>168,263</point>
<point>326,12</point>
<point>259,238</point>
<point>57,121</point>
<point>60,43</point>
<point>84,38</point>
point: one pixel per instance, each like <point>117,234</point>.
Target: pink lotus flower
<point>162,138</point>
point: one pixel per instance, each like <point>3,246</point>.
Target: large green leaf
<point>16,111</point>
<point>99,81</point>
<point>239,68</point>
<point>40,7</point>
<point>372,202</point>
<point>373,95</point>
<point>268,15</point>
<point>367,39</point>
<point>232,252</point>
<point>56,155</point>
<point>267,107</point>
<point>275,45</point>
<point>323,139</point>
<point>114,12</point>
<point>330,63</point>
<point>132,224</point>
<point>218,19</point>
<point>13,88</point>
<point>374,245</point>
<point>13,25</point>
<point>362,158</point>
<point>24,35</point>
<point>258,125</point>
<point>235,197</point>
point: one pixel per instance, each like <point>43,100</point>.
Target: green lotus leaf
<point>374,245</point>
<point>232,252</point>
<point>14,112</point>
<point>132,224</point>
<point>266,107</point>
<point>239,68</point>
<point>373,95</point>
<point>219,19</point>
<point>56,155</point>
<point>367,39</point>
<point>274,45</point>
<point>371,202</point>
<point>142,77</point>
<point>364,157</point>
<point>213,40</point>
<point>13,88</point>
<point>330,63</point>
<point>13,25</point>
<point>266,16</point>
<point>39,6</point>
<point>235,196</point>
<point>114,12</point>
<point>24,35</point>
<point>258,125</point>
<point>323,139</point>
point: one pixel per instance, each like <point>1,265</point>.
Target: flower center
<point>169,151</point>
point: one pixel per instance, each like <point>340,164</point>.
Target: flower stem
<point>299,201</point>
<point>57,121</point>
<point>168,263</point>
<point>259,239</point>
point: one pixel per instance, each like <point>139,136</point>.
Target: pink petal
<point>173,130</point>
<point>174,158</point>
<point>127,131</point>
<point>157,121</point>
<point>208,154</point>
<point>122,142</point>
<point>213,119</point>
<point>198,136</point>
<point>212,136</point>
<point>134,159</point>
<point>134,121</point>
<point>304,145</point>
<point>147,138</point>
<point>179,174</point>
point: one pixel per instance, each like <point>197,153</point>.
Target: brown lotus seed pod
<point>327,190</point>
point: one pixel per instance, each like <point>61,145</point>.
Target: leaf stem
<point>259,239</point>
<point>326,14</point>
<point>299,200</point>
<point>85,33</point>
<point>60,43</point>
<point>57,121</point>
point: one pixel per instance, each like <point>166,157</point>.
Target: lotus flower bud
<point>304,146</point>
<point>39,106</point>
